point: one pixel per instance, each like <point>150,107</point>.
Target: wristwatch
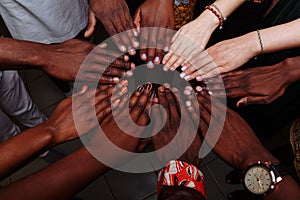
<point>261,178</point>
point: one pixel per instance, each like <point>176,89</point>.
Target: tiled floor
<point>114,185</point>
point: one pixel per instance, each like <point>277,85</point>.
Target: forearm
<point>276,38</point>
<point>22,147</point>
<point>17,54</point>
<point>62,180</point>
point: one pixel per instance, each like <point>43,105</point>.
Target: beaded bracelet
<point>217,12</point>
<point>262,50</point>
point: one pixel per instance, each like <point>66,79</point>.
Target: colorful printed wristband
<point>178,173</point>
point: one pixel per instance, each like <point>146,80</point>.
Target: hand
<point>91,25</point>
<point>260,85</point>
<point>222,57</point>
<point>237,144</point>
<point>154,13</point>
<point>115,17</point>
<point>122,130</point>
<point>190,40</point>
<point>67,58</point>
<point>82,106</point>
<point>184,146</point>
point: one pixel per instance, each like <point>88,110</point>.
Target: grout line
<point>110,189</point>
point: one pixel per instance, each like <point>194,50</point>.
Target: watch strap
<point>279,169</point>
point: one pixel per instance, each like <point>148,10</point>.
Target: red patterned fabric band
<point>178,173</point>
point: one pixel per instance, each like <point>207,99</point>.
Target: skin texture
<point>169,102</point>
<point>230,54</point>
<point>115,17</point>
<point>154,13</point>
<point>192,38</point>
<point>260,85</point>
<point>66,60</point>
<point>60,127</point>
<point>66,177</point>
<point>238,154</point>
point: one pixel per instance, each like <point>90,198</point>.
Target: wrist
<point>50,130</point>
<point>263,156</point>
<point>292,69</point>
<point>210,20</point>
<point>253,43</point>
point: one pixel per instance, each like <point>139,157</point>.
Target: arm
<point>159,14</point>
<point>246,151</point>
<point>60,127</point>
<point>65,178</point>
<point>260,85</point>
<point>193,37</point>
<point>65,61</point>
<point>230,54</point>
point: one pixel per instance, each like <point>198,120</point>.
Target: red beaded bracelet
<point>216,11</point>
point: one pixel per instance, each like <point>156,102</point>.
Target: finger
<point>144,43</point>
<point>115,72</point>
<point>137,93</point>
<point>113,32</point>
<point>168,38</point>
<point>150,58</point>
<point>140,104</point>
<point>198,63</point>
<point>144,118</point>
<point>123,64</point>
<point>129,27</point>
<point>103,114</point>
<point>172,104</point>
<point>160,45</point>
<point>251,100</point>
<point>108,80</point>
<point>91,25</point>
<point>137,20</point>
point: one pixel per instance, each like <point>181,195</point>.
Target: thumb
<point>251,100</point>
<point>137,20</point>
<point>91,25</point>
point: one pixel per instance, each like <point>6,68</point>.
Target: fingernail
<point>116,79</point>
<point>124,83</point>
<point>135,33</point>
<point>157,60</point>
<point>126,58</point>
<point>188,103</point>
<point>172,68</point>
<point>199,78</point>
<point>187,77</point>
<point>165,68</point>
<point>116,103</point>
<point>183,68</point>
<point>127,95</point>
<point>161,89</point>
<point>190,88</point>
<point>132,66</point>
<point>174,90</point>
<point>150,64</point>
<point>132,52</point>
<point>187,92</point>
<point>140,88</point>
<point>210,92</point>
<point>167,85</point>
<point>124,90</point>
<point>144,57</point>
<point>152,95</point>
<point>205,80</point>
<point>148,86</point>
<point>136,44</point>
<point>182,75</point>
<point>129,73</point>
<point>166,49</point>
<point>199,89</point>
<point>122,48</point>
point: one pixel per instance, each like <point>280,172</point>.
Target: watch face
<point>258,179</point>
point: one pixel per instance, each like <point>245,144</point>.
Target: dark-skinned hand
<point>189,138</point>
<point>260,85</point>
<point>66,59</point>
<point>113,125</point>
<point>159,14</point>
<point>115,17</point>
